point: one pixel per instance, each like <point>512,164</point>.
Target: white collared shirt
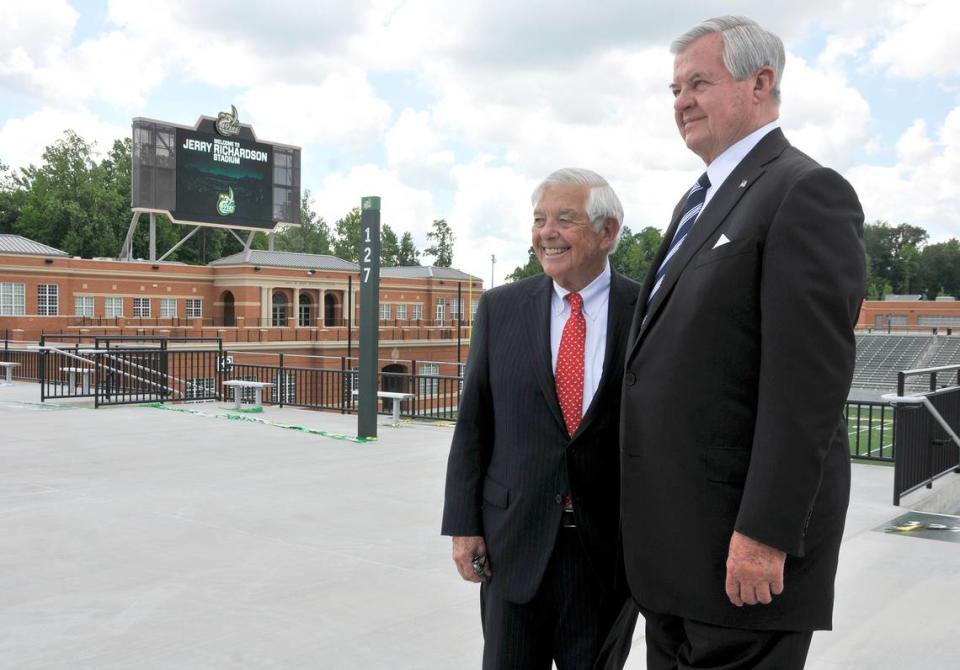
<point>725,163</point>
<point>596,298</point>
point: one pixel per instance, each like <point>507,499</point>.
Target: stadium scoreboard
<point>216,173</point>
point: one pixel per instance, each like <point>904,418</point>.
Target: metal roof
<point>288,259</point>
<point>17,244</point>
<point>299,261</point>
<point>425,272</point>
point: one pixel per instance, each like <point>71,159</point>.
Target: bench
<point>73,378</point>
<point>258,387</point>
<point>9,371</point>
<point>396,397</point>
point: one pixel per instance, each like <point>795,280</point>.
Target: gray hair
<point>602,202</point>
<point>746,47</point>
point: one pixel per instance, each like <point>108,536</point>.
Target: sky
<point>457,110</point>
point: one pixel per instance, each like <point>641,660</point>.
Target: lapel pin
<point>743,184</point>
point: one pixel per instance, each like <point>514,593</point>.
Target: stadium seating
<point>880,357</point>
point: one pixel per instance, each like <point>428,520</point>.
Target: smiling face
<point>712,109</point>
<point>570,251</point>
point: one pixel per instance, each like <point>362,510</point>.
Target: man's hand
<point>470,555</point>
<point>754,571</point>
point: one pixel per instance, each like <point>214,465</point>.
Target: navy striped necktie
<point>691,209</point>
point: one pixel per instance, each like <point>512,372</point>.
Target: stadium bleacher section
<point>880,357</point>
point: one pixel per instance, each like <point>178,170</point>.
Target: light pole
<point>493,262</point>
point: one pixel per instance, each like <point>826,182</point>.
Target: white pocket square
<point>723,239</point>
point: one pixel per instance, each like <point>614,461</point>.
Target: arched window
<point>229,310</point>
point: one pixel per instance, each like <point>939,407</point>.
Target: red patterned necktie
<point>569,375</point>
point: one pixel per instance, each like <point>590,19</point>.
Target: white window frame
<point>141,307</point>
<point>474,304</point>
<point>441,307</point>
<point>194,308</point>
<point>48,300</point>
<point>83,305</point>
<point>168,308</point>
<point>417,312</point>
<point>429,386</point>
<point>13,299</point>
<point>401,312</point>
<point>112,306</point>
<point>384,312</point>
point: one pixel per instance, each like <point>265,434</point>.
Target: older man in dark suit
<point>532,480</point>
<point>736,471</point>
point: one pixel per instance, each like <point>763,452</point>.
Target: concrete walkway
<point>138,537</point>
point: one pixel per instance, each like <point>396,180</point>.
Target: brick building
<point>910,313</point>
<point>261,303</point>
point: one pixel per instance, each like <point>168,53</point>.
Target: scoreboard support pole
<point>369,315</point>
<point>126,251</point>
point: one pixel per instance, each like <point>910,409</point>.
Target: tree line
<point>81,204</point>
<point>899,260</point>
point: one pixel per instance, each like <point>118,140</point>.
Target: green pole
<point>369,315</point>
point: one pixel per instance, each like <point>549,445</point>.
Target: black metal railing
<point>153,372</point>
<point>28,362</point>
<point>331,388</point>
<point>870,426</point>
<point>924,449</point>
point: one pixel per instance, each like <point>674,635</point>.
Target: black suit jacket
<point>511,457</point>
<point>734,391</point>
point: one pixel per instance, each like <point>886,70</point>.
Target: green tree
<point>635,253</point>
<point>312,236</point>
<point>408,251</point>
<point>10,197</point>
<point>389,247</point>
<point>938,271</point>
<point>893,253</point>
<point>441,247</point>
<point>72,202</point>
<point>530,269</point>
<point>346,240</point>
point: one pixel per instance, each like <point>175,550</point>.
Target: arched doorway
<point>396,379</point>
<point>330,310</point>
<point>306,310</point>
<point>229,309</point>
<point>280,309</point>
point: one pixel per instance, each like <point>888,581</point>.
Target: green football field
<point>871,436</point>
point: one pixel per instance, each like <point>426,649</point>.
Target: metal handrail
<point>895,400</point>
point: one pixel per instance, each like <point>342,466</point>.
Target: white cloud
<point>491,214</point>
<point>404,208</point>
<point>915,147</point>
<point>35,35</point>
<point>343,108</point>
<point>822,114</point>
<point>921,40</point>
<point>23,140</point>
<point>841,47</point>
<point>922,189</point>
<point>417,150</point>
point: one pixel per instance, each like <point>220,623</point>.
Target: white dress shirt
<point>725,163</point>
<point>596,298</point>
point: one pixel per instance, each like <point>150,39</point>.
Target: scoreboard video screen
<point>227,180</point>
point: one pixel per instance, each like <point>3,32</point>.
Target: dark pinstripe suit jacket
<point>511,457</point>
